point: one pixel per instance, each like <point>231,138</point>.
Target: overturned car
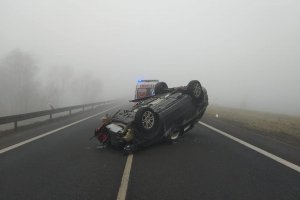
<point>165,116</point>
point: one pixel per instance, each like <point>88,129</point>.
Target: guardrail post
<point>16,125</point>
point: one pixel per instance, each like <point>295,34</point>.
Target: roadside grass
<point>282,127</point>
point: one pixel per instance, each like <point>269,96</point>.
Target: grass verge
<point>282,127</point>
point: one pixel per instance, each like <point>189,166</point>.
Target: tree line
<point>27,87</point>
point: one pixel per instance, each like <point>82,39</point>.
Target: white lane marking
<point>259,150</point>
<point>125,179</point>
<point>51,132</point>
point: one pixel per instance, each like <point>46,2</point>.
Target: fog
<point>246,53</point>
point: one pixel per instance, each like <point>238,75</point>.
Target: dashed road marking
<point>259,150</point>
<point>125,179</point>
<point>53,131</point>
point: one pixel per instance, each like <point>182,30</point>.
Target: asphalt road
<point>201,165</point>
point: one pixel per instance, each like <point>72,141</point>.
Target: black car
<point>164,116</point>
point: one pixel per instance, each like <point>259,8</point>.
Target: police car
<point>145,88</point>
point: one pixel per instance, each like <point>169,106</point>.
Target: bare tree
<point>57,83</point>
<point>63,86</point>
<point>66,86</point>
<point>87,88</point>
<point>19,88</point>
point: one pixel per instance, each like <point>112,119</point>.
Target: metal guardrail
<point>16,118</point>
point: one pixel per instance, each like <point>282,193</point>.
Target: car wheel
<point>147,123</point>
<point>174,135</point>
<point>160,88</point>
<point>194,88</point>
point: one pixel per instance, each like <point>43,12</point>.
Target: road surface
<point>57,161</point>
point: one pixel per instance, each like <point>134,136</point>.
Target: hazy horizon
<point>246,53</point>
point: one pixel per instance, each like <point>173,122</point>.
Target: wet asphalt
<point>201,165</point>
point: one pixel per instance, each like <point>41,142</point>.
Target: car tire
<point>174,136</point>
<point>194,89</point>
<point>147,123</point>
<point>160,88</point>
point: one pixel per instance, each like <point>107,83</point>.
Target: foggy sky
<point>244,52</point>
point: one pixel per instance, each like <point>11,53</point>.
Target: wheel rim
<point>148,120</point>
<point>197,90</point>
<point>174,135</point>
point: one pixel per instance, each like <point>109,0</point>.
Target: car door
<point>180,108</point>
